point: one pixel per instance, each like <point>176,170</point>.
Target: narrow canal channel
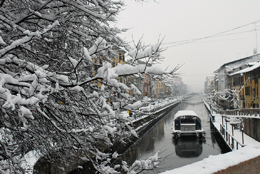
<point>176,153</point>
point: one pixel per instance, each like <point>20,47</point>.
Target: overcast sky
<point>181,20</point>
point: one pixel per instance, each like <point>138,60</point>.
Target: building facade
<point>237,83</point>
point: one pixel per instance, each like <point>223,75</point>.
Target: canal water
<point>173,153</point>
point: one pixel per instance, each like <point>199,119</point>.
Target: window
<point>121,56</point>
<point>95,68</point>
<point>254,93</point>
<point>247,90</point>
<point>237,81</point>
<point>187,119</point>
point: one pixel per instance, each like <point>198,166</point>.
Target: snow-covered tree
<point>232,96</point>
<point>49,101</point>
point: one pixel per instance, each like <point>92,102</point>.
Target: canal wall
<point>219,138</point>
<point>251,127</point>
<point>142,125</point>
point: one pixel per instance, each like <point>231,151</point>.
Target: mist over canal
<point>176,153</point>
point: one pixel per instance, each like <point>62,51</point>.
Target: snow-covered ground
<point>29,160</point>
<point>237,133</point>
<point>151,109</point>
<point>223,161</point>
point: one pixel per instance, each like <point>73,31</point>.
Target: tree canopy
<point>49,101</point>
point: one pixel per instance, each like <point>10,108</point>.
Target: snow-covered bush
<point>49,101</point>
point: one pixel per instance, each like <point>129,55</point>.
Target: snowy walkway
<point>152,110</point>
<point>237,133</point>
<point>219,162</point>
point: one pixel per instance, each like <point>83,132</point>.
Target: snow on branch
<point>85,9</point>
<point>9,22</point>
<point>106,72</point>
<point>135,89</point>
<point>127,69</point>
<point>99,44</point>
<point>53,96</point>
<point>25,39</point>
<point>141,52</point>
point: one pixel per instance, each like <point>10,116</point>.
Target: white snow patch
<point>219,162</point>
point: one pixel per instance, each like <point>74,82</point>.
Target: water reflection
<point>188,147</point>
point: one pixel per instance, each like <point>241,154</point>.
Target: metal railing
<point>230,140</point>
<point>244,112</point>
<point>240,112</point>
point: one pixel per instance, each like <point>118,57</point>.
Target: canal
<point>175,154</point>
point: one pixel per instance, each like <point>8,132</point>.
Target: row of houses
<point>236,84</point>
<point>145,83</point>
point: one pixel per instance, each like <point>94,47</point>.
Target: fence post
<point>226,136</point>
<point>243,136</point>
<point>232,129</point>
<point>226,124</point>
<point>229,139</point>
<point>224,133</point>
<point>232,142</point>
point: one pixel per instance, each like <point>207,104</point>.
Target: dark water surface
<point>178,153</point>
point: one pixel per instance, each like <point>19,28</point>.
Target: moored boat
<point>187,123</point>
